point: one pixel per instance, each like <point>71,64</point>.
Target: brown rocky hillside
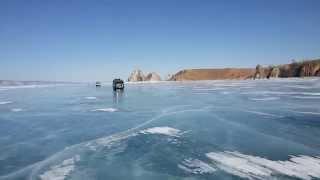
<point>295,69</point>
<point>213,74</point>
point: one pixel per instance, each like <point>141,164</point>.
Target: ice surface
<point>264,129</point>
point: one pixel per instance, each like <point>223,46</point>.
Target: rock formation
<point>295,69</point>
<point>290,70</point>
<point>310,69</point>
<point>273,72</point>
<point>168,77</point>
<point>153,77</point>
<point>136,75</point>
<point>260,72</point>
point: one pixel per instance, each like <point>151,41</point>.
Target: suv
<point>118,84</point>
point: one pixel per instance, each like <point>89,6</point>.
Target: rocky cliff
<point>295,69</point>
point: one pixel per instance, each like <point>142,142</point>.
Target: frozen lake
<point>265,129</point>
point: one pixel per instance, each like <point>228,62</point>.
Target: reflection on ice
<point>117,96</point>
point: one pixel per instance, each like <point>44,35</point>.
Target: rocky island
<point>138,76</point>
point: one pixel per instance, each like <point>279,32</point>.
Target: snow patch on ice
<point>254,167</point>
<point>61,171</point>
<point>91,98</point>
<point>207,89</point>
<point>5,102</point>
<point>299,86</point>
<point>162,130</point>
<point>106,110</point>
<point>201,93</point>
<point>196,166</point>
<point>16,110</point>
<point>306,97</point>
<point>265,99</point>
<point>263,113</point>
<point>307,112</point>
<point>283,93</point>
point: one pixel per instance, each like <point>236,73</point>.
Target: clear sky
<point>88,40</point>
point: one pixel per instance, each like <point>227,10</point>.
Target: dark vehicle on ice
<point>118,84</point>
<point>98,84</point>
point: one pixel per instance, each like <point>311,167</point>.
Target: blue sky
<point>92,40</point>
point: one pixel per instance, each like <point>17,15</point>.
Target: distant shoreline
<point>310,68</point>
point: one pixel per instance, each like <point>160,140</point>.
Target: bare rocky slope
<point>213,74</point>
<point>295,69</point>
